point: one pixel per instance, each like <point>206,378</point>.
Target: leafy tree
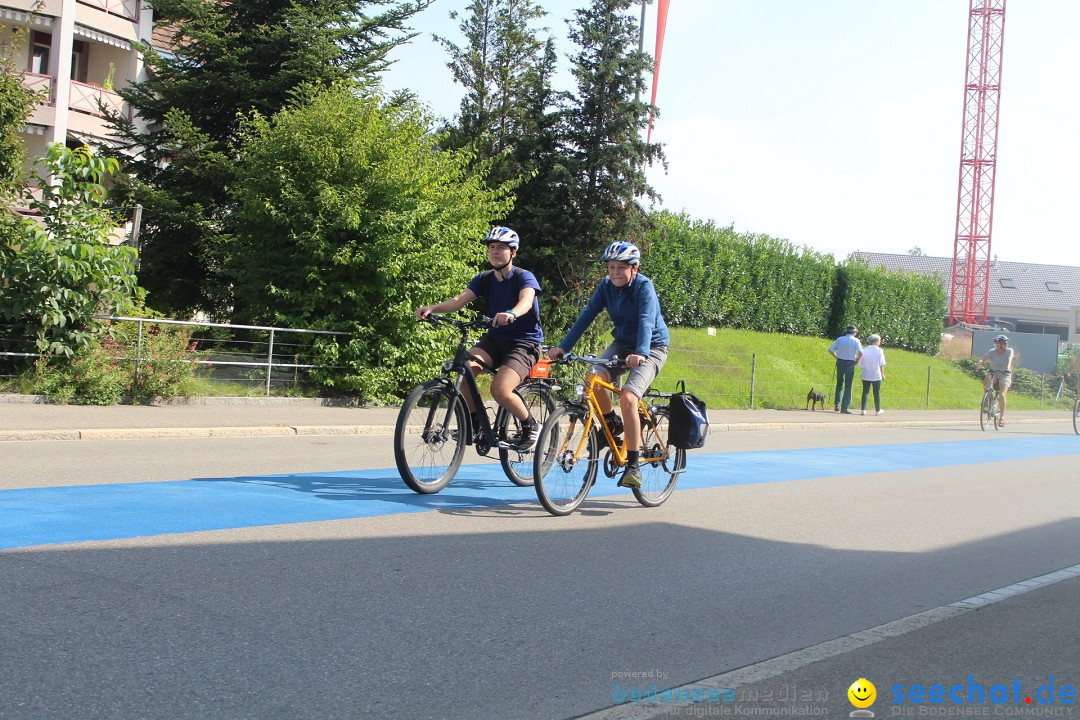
<point>230,59</point>
<point>62,270</point>
<point>16,103</point>
<point>349,218</point>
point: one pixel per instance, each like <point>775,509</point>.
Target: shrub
<point>94,375</point>
<point>168,364</point>
<point>104,372</point>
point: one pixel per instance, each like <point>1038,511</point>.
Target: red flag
<point>661,24</point>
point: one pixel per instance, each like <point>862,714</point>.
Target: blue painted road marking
<point>104,512</point>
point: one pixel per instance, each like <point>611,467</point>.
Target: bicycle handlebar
<point>566,358</point>
<point>482,321</point>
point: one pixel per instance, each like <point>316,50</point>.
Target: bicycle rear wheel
<point>429,438</point>
<point>986,410</point>
<point>518,466</point>
<point>1076,416</point>
<point>566,460</point>
<point>661,462</point>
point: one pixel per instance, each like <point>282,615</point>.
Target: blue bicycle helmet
<point>500,234</point>
<point>623,252</point>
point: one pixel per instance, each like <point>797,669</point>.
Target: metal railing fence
<point>241,354</point>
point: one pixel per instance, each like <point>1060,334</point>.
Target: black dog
<point>813,398</point>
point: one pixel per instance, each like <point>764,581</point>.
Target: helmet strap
<point>500,269</point>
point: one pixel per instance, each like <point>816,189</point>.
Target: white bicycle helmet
<point>500,234</point>
<point>623,252</point>
<point>1001,338</point>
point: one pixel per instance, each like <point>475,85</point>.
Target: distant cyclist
<point>512,346</point>
<point>1000,360</point>
<point>640,338</point>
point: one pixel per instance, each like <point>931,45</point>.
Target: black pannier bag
<point>689,419</point>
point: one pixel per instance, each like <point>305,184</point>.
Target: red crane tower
<point>970,286</point>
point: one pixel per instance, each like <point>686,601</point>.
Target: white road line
<point>649,710</point>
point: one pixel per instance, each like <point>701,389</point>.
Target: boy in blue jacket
<point>640,337</point>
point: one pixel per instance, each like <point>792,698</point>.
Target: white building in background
<point>79,52</point>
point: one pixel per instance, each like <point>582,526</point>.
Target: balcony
<point>127,9</point>
<point>39,83</point>
<point>91,99</point>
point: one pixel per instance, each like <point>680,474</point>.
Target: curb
<point>315,430</point>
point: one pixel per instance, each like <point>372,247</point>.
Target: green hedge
<point>707,275</point>
<point>904,308</point>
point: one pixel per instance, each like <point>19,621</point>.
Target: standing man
<point>847,350</point>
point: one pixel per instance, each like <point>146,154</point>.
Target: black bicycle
<point>435,425</point>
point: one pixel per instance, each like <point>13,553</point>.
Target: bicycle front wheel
<point>986,410</point>
<point>661,462</point>
<point>565,461</point>
<point>518,466</point>
<point>1076,416</point>
<point>429,439</point>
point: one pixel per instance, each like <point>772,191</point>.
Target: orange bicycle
<point>567,456</point>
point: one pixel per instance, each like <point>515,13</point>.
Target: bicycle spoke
<point>660,462</point>
<point>429,438</point>
<point>565,461</point>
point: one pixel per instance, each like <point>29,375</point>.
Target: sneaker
<point>525,441</point>
<point>631,477</point>
<point>863,412</point>
<point>880,412</point>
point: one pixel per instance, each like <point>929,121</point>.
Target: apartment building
<point>79,52</point>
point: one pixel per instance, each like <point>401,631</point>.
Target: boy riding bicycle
<point>641,339</point>
<point>512,346</point>
<point>1000,359</point>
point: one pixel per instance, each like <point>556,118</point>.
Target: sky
<point>836,124</point>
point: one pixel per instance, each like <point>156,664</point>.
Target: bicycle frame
<point>459,366</point>
<point>587,393</point>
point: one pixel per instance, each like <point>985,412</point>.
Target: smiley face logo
<point>862,693</point>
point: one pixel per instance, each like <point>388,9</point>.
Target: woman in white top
<point>872,371</point>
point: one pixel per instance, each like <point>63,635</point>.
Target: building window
<point>39,53</point>
<point>78,61</point>
<point>1054,286</point>
<point>1007,283</point>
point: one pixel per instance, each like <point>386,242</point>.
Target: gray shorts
<point>641,377</point>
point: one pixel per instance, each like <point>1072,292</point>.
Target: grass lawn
<point>781,370</point>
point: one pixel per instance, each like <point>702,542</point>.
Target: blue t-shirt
<point>502,295</point>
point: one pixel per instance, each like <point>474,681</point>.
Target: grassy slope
<point>718,368</point>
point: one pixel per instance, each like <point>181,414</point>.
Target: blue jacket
<point>635,311</point>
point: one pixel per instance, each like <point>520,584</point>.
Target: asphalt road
<point>762,574</point>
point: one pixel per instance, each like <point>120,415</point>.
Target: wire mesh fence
<point>756,381</point>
